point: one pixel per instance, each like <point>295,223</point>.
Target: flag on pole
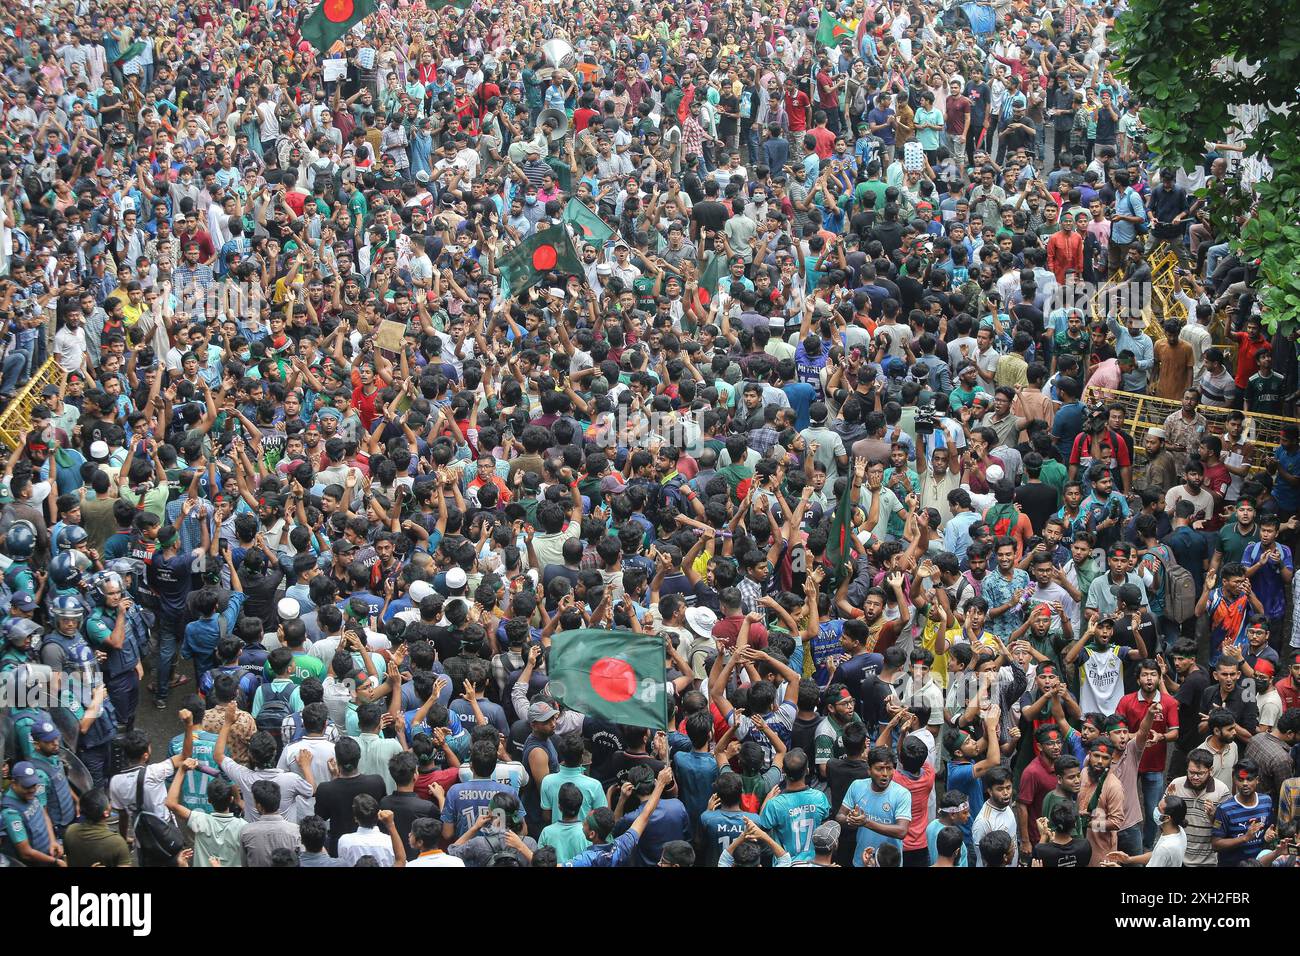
<point>840,538</point>
<point>550,250</point>
<point>333,18</point>
<point>130,53</point>
<point>615,675</point>
<point>711,278</point>
<point>830,31</point>
<point>586,223</point>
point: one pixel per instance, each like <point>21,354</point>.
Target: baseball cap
<point>539,711</point>
<point>23,602</point>
<point>45,731</point>
<point>50,390</point>
<point>611,485</point>
<point>25,775</point>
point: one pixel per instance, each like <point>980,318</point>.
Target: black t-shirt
<point>334,803</point>
<point>804,733</point>
<point>911,293</point>
<point>110,109</point>
<point>1189,703</point>
<point>1015,138</point>
<point>890,235</point>
<point>622,762</point>
<point>710,215</point>
<point>729,103</point>
<point>604,741</point>
<point>1078,852</point>
<point>406,808</point>
<point>261,601</point>
<point>1105,127</point>
<point>1038,501</point>
<point>840,774</point>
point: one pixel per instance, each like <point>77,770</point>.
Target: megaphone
<point>559,54</point>
<point>557,118</point>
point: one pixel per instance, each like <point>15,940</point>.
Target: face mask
<point>245,356</point>
<point>530,200</point>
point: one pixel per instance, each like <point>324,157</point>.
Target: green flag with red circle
<point>548,251</point>
<point>586,223</point>
<point>615,675</point>
<point>333,18</point>
<point>711,278</point>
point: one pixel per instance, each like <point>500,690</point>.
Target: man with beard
<point>1228,693</point>
<point>996,814</point>
<point>1124,766</point>
<point>1101,800</point>
<point>1202,793</point>
<point>1037,780</point>
<point>1192,490</point>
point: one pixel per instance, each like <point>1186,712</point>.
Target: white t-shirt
<point>1103,683</point>
<point>121,790</point>
<point>989,819</point>
<point>1169,849</point>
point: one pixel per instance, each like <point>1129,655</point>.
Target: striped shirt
<point>1199,824</point>
<point>1231,819</point>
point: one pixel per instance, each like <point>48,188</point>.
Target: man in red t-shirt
<point>1036,782</point>
<point>1249,344</point>
<point>1151,768</point>
<point>1288,688</point>
<point>796,110</point>
<point>916,776</point>
<point>365,395</point>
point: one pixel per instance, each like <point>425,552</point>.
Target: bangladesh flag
<point>586,223</point>
<point>550,250</point>
<point>130,53</point>
<point>615,675</point>
<point>830,31</point>
<point>840,540</point>
<point>711,278</point>
<point>333,18</point>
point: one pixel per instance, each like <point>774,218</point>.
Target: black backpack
<point>275,708</point>
<point>158,840</point>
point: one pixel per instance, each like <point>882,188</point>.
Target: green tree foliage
<point>1178,58</point>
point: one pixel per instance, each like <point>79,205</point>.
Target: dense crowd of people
<point>762,328</point>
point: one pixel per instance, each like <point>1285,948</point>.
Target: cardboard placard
<point>391,336</point>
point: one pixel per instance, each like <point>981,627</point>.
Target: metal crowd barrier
<point>16,419</point>
<point>1143,411</point>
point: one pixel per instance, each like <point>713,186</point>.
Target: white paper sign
<point>335,69</point>
<point>366,57</point>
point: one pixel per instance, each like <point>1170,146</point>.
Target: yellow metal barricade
<point>16,419</point>
<point>1146,411</point>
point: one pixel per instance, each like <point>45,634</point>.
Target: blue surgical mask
<point>530,200</point>
<point>245,356</point>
